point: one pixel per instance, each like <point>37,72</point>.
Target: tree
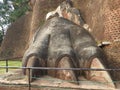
<point>1,37</point>
<point>10,10</point>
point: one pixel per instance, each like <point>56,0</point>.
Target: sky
<point>1,0</point>
<point>5,26</point>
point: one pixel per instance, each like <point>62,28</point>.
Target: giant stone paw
<point>60,43</point>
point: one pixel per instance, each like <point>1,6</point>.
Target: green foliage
<point>1,37</point>
<point>20,7</point>
<point>10,10</point>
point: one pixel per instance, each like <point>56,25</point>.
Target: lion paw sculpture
<point>60,43</point>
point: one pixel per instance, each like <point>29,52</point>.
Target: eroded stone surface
<point>47,81</point>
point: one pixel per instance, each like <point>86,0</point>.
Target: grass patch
<point>10,63</point>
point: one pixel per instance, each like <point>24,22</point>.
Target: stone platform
<point>17,81</point>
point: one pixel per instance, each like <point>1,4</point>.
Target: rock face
<point>105,19</point>
<point>96,17</point>
<point>16,39</point>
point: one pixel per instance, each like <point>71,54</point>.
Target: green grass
<point>10,63</point>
